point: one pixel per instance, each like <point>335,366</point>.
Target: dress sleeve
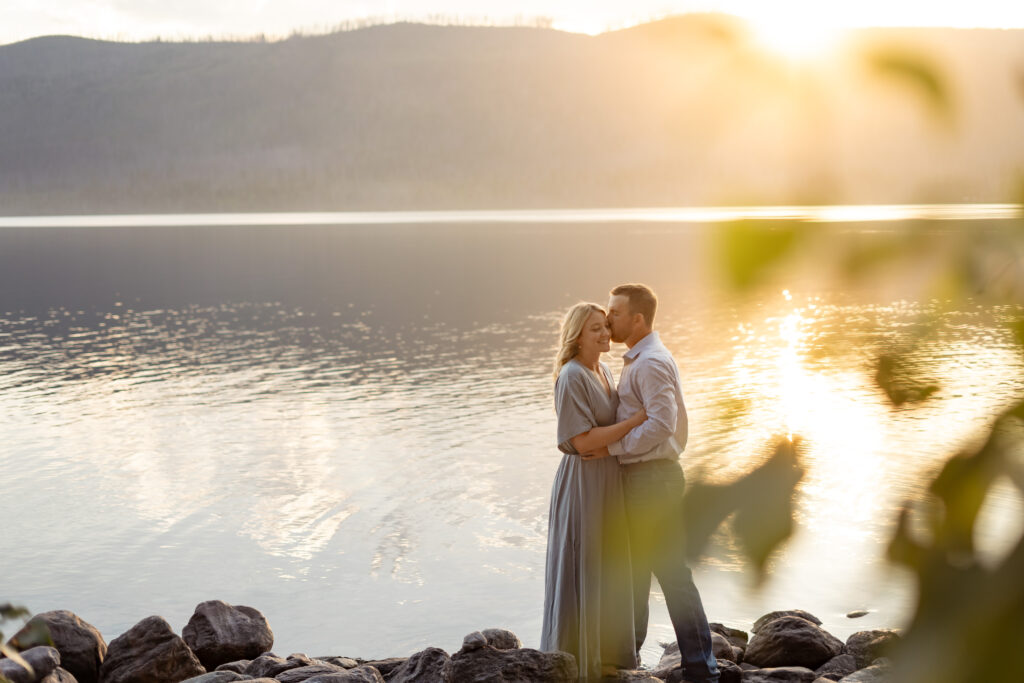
<point>575,415</point>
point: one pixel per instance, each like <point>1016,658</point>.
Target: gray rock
<point>385,666</point>
<point>220,633</point>
<point>867,646</point>
<point>737,654</point>
<point>837,667</point>
<point>238,666</point>
<point>857,614</point>
<point>343,662</point>
<point>304,672</point>
<point>634,676</point>
<point>473,641</point>
<point>270,665</point>
<point>780,674</point>
<point>59,675</point>
<point>80,644</point>
<point>149,652</point>
<point>44,661</point>
<point>737,637</point>
<point>218,677</point>
<point>489,665</point>
<point>502,639</point>
<point>729,672</point>
<point>791,641</point>
<point>876,673</point>
<point>361,674</point>
<point>721,647</point>
<point>427,665</point>
<point>772,616</point>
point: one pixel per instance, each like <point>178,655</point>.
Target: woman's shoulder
<point>571,372</point>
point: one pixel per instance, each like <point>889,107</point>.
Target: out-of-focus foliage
<point>917,73</point>
<point>749,249</point>
<point>970,608</point>
<point>760,504</point>
<point>9,612</point>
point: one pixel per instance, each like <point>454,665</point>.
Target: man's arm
<point>656,385</point>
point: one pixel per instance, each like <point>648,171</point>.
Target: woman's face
<point>596,335</point>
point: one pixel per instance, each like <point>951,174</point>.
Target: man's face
<point>619,318</point>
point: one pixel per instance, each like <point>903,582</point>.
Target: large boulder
<point>737,637</point>
<point>149,652</point>
<point>220,633</point>
<point>772,616</point>
<point>427,665</point>
<point>791,641</point>
<point>780,674</point>
<point>80,644</point>
<point>719,645</point>
<point>876,673</point>
<point>43,660</point>
<point>384,666</point>
<point>490,665</point>
<point>867,646</point>
<point>837,667</point>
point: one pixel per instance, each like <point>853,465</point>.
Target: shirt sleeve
<point>657,388</point>
<point>575,415</point>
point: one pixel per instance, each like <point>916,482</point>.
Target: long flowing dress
<point>588,603</point>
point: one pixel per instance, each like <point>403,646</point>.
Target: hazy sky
<point>145,19</point>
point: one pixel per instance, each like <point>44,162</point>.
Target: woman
<point>588,604</point>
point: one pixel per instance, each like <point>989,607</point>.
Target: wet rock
<point>502,639</point>
<point>721,647</point>
<point>737,654</point>
<point>634,676</point>
<point>867,646</point>
<point>80,644</point>
<point>771,616</point>
<point>780,674</point>
<point>426,665</point>
<point>792,641</point>
<point>361,674</point>
<point>218,677</point>
<point>490,665</point>
<point>305,672</point>
<point>837,667</point>
<point>729,672</point>
<point>219,633</point>
<point>44,661</point>
<point>149,652</point>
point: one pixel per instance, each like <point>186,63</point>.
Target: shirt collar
<point>644,344</point>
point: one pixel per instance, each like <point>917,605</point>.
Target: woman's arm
<point>599,437</point>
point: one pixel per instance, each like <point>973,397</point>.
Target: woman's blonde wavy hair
<point>572,327</point>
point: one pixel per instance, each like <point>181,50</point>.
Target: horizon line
<point>850,213</point>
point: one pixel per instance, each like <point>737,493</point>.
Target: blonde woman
<point>588,604</point>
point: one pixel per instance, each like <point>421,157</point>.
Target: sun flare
<point>797,40</point>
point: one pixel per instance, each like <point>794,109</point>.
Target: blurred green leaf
<point>9,611</point>
<point>35,633</point>
<point>900,380</point>
<point>762,502</point>
<point>748,249</point>
<point>916,73</point>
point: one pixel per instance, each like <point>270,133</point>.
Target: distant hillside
<point>684,111</point>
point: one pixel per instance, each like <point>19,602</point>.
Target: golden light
<point>795,37</point>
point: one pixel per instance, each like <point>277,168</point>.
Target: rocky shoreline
<point>223,643</point>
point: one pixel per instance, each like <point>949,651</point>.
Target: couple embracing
<point>616,502</point>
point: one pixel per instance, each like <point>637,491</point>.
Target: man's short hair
<point>641,300</point>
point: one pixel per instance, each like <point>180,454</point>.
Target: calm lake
<point>345,420</point>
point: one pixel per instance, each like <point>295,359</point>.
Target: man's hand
<point>601,452</point>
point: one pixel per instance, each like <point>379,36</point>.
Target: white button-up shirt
<point>650,380</point>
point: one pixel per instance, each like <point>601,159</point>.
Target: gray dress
<point>588,604</point>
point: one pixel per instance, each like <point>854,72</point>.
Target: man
<point>653,479</point>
